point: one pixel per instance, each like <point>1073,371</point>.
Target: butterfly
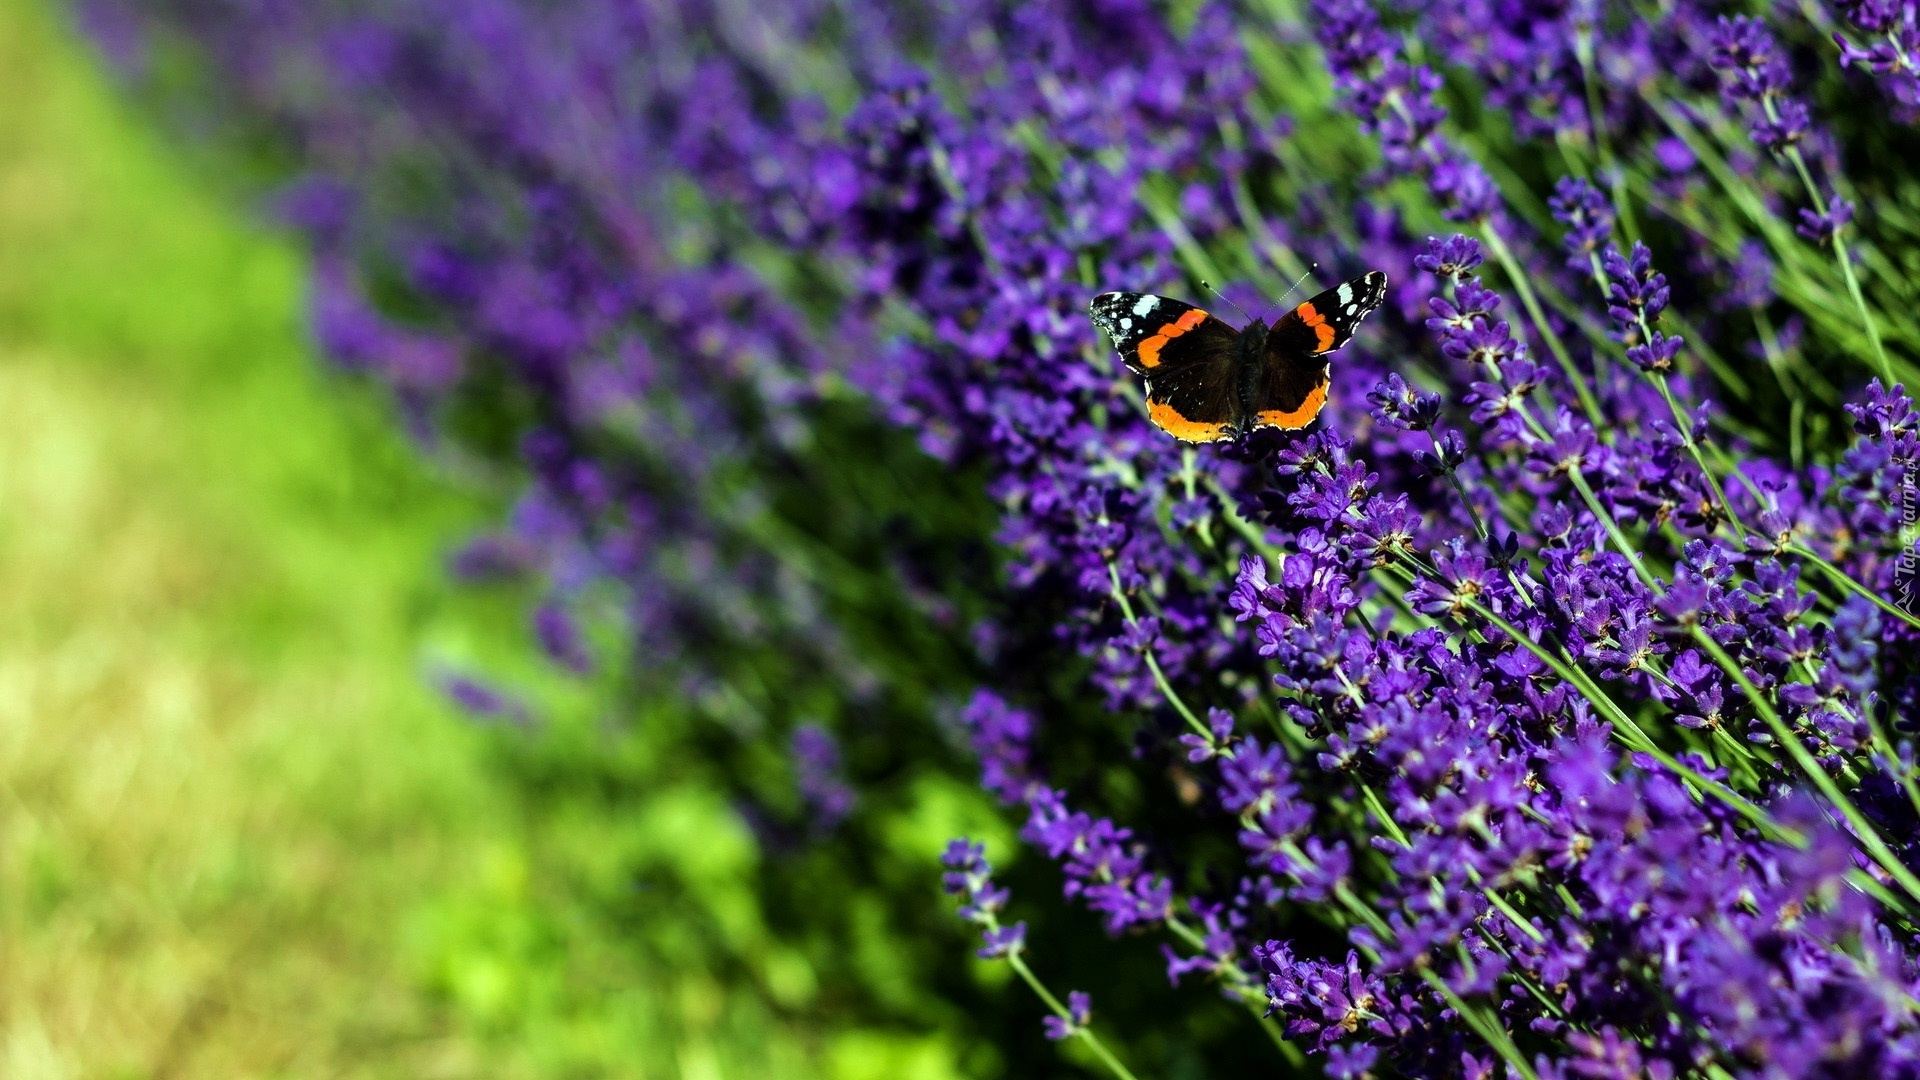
<point>1207,381</point>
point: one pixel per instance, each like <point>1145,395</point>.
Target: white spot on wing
<point>1126,323</point>
<point>1346,295</point>
<point>1145,304</point>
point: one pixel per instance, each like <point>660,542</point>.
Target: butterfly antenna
<point>1205,285</point>
<point>1290,289</point>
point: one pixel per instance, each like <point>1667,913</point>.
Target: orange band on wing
<point>1180,427</point>
<point>1300,417</point>
<point>1150,348</point>
<point>1185,323</point>
<point>1311,316</point>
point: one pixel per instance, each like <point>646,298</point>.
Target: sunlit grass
<point>225,793</point>
<point>240,834</point>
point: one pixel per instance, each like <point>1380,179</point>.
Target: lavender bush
<point>1543,711</point>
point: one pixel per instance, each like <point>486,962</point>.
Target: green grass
<point>240,834</point>
<point>229,804</point>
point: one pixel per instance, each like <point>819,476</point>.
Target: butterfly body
<point>1252,345</point>
<point>1206,381</point>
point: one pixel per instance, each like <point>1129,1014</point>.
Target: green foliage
<point>241,834</point>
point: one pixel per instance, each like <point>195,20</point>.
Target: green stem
<point>1840,253</point>
<point>1278,254</point>
<point>1518,277</point>
<point>1249,991</point>
<point>1680,420</point>
<point>1248,531</point>
<point>1737,189</point>
<point>1507,909</point>
<point>1490,1030</point>
<point>1846,581</point>
<point>1722,370</point>
<point>1479,527</point>
<point>1597,122</point>
<point>1386,819</point>
<point>1900,769</point>
<point>1160,208</point>
<point>1153,664</point>
<point>1685,427</point>
<point>1864,832</point>
<point>1634,737</point>
<point>1085,1034</point>
<point>1612,527</point>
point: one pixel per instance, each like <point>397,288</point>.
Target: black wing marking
<point>1327,321</point>
<point>1186,355</point>
<point>1133,320</point>
<point>1291,393</point>
<point>1194,400</point>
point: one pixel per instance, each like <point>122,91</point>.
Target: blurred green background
<point>241,834</point>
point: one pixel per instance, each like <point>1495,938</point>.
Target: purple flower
<point>1079,1013</point>
<point>1589,220</point>
<point>1464,583</point>
<point>1219,737</point>
<point>1410,731</point>
<point>1757,76</point>
<point>1395,101</point>
<point>1449,453</point>
<point>1102,862</point>
<point>825,797</point>
<point>1000,736</point>
<point>1636,293</point>
<point>1888,416</point>
<point>1657,354</point>
<point>1352,1061</point>
<point>1888,45</point>
<point>970,878</point>
<point>1398,404</point>
<point>1453,257</point>
<point>1329,1001</point>
<point>1824,228</point>
<point>483,701</point>
<point>560,638</point>
<point>1752,277</point>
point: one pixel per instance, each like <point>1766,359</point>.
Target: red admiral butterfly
<point>1207,381</point>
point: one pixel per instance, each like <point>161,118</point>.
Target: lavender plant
<point>1544,711</point>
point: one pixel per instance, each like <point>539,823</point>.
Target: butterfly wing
<point>1185,355</point>
<point>1293,382</point>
